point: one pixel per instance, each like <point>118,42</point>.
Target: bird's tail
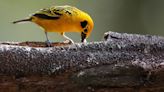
<point>23,20</point>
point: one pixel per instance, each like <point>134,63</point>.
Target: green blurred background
<point>131,16</point>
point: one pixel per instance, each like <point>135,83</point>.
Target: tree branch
<point>122,60</point>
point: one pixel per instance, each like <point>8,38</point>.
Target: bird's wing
<point>47,13</point>
<point>64,10</point>
<point>55,12</point>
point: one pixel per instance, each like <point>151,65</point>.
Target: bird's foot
<point>48,43</point>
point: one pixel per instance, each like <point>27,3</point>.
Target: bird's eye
<point>84,23</point>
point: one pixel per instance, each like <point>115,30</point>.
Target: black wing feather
<point>44,16</point>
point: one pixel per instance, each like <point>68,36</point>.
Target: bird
<point>61,19</point>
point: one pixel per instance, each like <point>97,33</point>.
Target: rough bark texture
<point>120,63</point>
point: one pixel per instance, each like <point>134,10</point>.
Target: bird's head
<point>87,24</point>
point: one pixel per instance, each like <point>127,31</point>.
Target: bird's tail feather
<point>23,20</point>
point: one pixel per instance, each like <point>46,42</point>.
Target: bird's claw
<point>48,43</point>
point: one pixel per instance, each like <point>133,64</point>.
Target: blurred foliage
<point>132,16</point>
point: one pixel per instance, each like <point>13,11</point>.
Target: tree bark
<point>120,61</point>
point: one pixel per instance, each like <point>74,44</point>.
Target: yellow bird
<point>63,19</point>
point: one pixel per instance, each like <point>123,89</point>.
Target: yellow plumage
<point>63,19</point>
